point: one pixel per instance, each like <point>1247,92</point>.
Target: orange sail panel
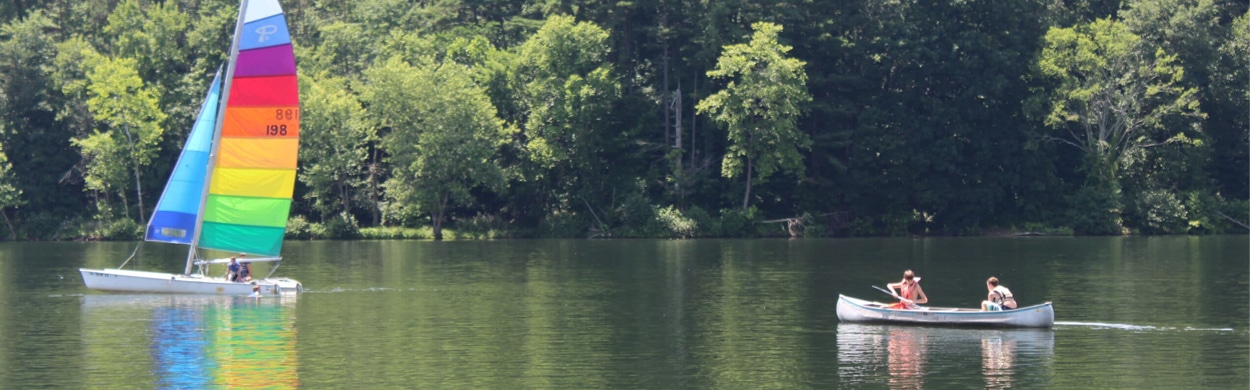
<point>267,122</point>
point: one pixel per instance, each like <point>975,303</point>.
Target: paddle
<point>893,295</point>
<point>887,292</point>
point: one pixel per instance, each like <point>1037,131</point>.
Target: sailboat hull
<point>158,282</point>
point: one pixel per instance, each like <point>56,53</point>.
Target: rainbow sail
<point>252,176</point>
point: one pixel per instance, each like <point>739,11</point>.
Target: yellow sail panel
<point>264,183</point>
<point>258,153</point>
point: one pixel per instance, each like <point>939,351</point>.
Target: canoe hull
<point>858,310</point>
<point>158,282</point>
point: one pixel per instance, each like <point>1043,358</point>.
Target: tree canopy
<point>585,118</point>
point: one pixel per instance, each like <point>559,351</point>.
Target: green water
<point>1137,312</point>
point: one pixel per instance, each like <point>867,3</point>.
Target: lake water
<point>1132,312</point>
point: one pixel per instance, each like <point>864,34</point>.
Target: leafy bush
<point>482,226</point>
<point>396,233</point>
<point>1211,215</point>
<point>676,224</point>
<point>1041,228</point>
<point>121,229</point>
<point>812,227</point>
<point>706,225</point>
<point>42,227</point>
<point>343,226</point>
<point>318,231</point>
<point>298,228</point>
<point>1095,210</point>
<point>636,214</point>
<point>739,223</point>
<point>1160,212</point>
<point>1236,209</point>
<point>563,224</point>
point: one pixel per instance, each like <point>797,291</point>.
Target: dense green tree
<point>1232,80</point>
<point>567,95</point>
<point>10,195</point>
<point>132,131</point>
<point>335,137</point>
<point>1113,96</point>
<point>1192,29</point>
<point>917,122</point>
<point>759,108</point>
<point>36,143</point>
<point>339,51</point>
<point>443,135</point>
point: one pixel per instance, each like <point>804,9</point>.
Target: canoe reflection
<point>901,356</point>
<point>197,341</point>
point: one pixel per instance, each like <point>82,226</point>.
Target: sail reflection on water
<point>254,345</point>
<point>194,341</point>
<point>902,356</point>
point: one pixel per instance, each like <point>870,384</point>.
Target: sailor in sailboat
<point>232,270</point>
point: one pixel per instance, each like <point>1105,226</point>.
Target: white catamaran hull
<point>157,282</point>
<point>858,310</point>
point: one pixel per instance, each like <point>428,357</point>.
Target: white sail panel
<point>260,9</point>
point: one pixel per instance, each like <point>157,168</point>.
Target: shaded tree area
<point>656,118</point>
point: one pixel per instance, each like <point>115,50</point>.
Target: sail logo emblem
<point>265,31</point>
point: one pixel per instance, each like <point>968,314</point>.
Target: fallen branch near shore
<point>1239,223</point>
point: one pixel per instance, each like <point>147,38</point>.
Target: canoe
<point>859,310</point>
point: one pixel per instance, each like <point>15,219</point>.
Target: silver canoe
<point>858,310</point>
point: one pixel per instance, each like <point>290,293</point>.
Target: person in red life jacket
<point>909,292</point>
<point>999,298</point>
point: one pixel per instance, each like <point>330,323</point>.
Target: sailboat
<point>231,188</point>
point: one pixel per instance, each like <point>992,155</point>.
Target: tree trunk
<point>139,193</point>
<point>125,204</point>
<point>694,119</point>
<point>747,194</point>
<point>138,184</point>
<point>437,216</point>
<point>347,206</point>
<point>12,233</point>
<point>376,199</point>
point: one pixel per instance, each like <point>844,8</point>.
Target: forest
<point>655,118</point>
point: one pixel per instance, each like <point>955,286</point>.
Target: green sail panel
<point>238,210</point>
<point>259,240</point>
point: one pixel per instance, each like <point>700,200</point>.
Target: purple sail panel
<point>269,61</point>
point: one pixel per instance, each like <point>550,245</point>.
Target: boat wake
<point>1137,328</point>
<point>366,289</point>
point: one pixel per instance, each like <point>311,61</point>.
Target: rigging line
<point>132,255</point>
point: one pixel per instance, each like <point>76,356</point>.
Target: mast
<point>221,113</point>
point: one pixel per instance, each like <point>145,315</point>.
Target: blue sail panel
<point>270,31</point>
<point>176,211</point>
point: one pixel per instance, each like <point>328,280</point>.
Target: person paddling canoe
<point>909,292</point>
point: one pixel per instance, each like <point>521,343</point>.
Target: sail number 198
<point>281,114</point>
